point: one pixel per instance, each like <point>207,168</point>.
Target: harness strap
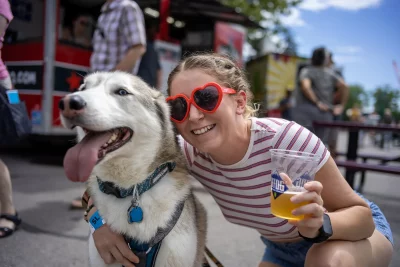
<point>147,252</point>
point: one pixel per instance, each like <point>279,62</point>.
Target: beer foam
<point>296,189</point>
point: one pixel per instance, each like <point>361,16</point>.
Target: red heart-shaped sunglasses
<point>205,98</point>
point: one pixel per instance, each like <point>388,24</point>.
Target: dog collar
<point>109,188</point>
<point>135,212</point>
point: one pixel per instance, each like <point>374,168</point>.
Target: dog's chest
<point>158,206</point>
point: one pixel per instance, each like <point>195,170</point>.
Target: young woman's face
<point>205,131</point>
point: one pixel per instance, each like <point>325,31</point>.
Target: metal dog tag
<point>135,212</point>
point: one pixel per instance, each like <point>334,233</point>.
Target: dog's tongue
<point>81,159</point>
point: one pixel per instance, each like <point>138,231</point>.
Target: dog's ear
<point>156,95</point>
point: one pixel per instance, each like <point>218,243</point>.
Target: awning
<point>212,9</point>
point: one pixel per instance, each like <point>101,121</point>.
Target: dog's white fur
<point>144,111</point>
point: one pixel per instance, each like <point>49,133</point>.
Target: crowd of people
<point>237,141</point>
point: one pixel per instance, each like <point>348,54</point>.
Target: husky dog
<point>129,154</point>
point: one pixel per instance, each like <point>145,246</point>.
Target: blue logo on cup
<point>278,186</point>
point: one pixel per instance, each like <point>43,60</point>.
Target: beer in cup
<point>291,170</point>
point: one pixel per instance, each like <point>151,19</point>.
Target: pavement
<point>53,235</point>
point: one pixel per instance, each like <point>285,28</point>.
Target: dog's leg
<point>178,249</point>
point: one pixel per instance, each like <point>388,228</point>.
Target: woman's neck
<point>235,148</point>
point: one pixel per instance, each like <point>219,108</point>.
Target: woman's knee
<point>329,254</point>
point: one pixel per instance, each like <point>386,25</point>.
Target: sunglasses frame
<point>189,101</point>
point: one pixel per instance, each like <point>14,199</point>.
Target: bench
<point>384,159</point>
<point>363,167</point>
<point>365,156</point>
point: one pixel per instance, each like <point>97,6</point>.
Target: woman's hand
<point>112,247</point>
<point>314,211</point>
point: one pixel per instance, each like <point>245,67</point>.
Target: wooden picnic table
<point>352,145</point>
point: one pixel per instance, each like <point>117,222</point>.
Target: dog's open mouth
<point>118,138</point>
<point>83,157</point>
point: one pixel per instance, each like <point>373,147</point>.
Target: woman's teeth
<point>203,130</point>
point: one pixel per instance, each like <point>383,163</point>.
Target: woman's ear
<point>241,101</point>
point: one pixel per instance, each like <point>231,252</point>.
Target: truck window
<point>27,24</point>
<point>77,23</point>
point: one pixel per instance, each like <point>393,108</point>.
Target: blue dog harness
<point>146,252</point>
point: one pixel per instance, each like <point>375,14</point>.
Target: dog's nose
<point>76,102</point>
<point>71,105</point>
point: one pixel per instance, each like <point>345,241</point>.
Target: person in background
<point>286,105</point>
<point>9,219</point>
<point>78,31</point>
<point>334,132</point>
<point>119,42</point>
<point>150,68</point>
<point>373,119</point>
<point>315,97</point>
<point>387,119</point>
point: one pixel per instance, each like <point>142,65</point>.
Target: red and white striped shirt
<point>242,190</point>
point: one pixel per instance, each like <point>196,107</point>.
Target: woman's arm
<point>350,215</point>
<point>110,245</point>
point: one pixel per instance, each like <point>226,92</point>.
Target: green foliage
<point>357,95</point>
<point>386,97</point>
<point>265,10</point>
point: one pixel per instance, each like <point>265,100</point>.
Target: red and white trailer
<point>44,68</point>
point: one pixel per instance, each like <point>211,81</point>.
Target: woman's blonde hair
<point>222,68</point>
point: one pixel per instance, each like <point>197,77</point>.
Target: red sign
<point>229,40</point>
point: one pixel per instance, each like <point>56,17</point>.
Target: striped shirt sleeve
<point>292,136</point>
<point>132,23</point>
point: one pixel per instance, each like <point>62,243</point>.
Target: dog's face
<point>120,117</point>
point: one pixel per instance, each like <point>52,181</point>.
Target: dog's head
<point>120,119</point>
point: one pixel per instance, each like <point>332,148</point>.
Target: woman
<point>228,152</point>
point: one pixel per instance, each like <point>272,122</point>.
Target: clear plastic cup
<point>292,169</point>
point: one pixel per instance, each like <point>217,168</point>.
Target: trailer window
<point>77,24</point>
<point>27,24</point>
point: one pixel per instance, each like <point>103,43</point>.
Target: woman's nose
<point>195,114</point>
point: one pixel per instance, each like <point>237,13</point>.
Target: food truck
<point>45,63</point>
<point>270,76</point>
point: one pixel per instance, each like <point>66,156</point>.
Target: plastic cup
<point>292,169</point>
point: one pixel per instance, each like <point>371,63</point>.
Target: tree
<point>291,46</point>
<point>265,10</point>
<point>386,97</point>
<point>357,95</point>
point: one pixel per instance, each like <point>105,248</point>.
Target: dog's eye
<point>121,92</point>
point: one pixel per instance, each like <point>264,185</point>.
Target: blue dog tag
<point>135,214</point>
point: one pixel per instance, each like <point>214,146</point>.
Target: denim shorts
<point>294,254</point>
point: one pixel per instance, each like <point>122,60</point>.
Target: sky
<point>364,36</point>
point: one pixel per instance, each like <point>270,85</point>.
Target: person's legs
<point>284,254</point>
<point>374,251</point>
<point>6,203</point>
<point>268,264</point>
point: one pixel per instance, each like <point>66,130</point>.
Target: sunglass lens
<point>178,108</point>
<point>207,98</point>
